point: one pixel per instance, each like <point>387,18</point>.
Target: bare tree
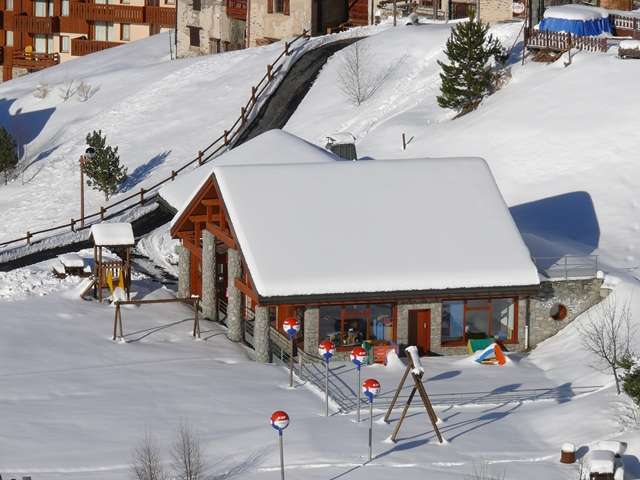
<point>186,455</point>
<point>147,462</point>
<point>607,333</point>
<point>357,77</point>
<point>67,90</point>
<point>86,91</point>
<point>481,471</point>
<point>41,91</point>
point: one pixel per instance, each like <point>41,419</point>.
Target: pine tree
<point>8,155</point>
<point>468,77</point>
<point>104,171</point>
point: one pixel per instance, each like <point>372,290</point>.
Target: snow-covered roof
<point>72,260</point>
<point>112,234</point>
<point>374,226</point>
<point>576,12</point>
<point>273,146</point>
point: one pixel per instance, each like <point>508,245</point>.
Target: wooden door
<point>420,330</point>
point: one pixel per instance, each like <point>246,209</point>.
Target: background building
<point>36,34</point>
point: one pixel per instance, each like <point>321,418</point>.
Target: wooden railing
<point>33,61</point>
<point>626,25</point>
<point>107,13</point>
<point>210,152</point>
<point>562,42</point>
<point>237,9</point>
<point>31,24</point>
<point>163,16</point>
<point>83,46</point>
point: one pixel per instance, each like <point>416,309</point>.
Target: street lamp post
<point>89,154</point>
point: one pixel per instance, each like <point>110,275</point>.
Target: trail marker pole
<point>358,357</point>
<point>326,349</point>
<point>292,327</point>
<point>370,387</point>
<point>280,421</point>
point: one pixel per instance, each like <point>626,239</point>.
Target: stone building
<point>37,34</point>
<point>213,26</point>
<point>404,252</point>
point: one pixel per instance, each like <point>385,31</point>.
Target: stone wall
<point>215,28</point>
<point>576,295</point>
<point>492,11</point>
<point>279,25</point>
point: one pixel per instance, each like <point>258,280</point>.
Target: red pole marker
<point>326,349</point>
<point>358,357</point>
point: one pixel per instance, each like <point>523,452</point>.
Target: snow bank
<point>629,45</point>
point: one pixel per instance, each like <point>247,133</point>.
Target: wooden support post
<point>173,175</point>
<point>115,320</point>
<point>396,430</point>
<point>243,116</point>
<point>269,74</point>
<point>196,318</point>
<point>102,210</point>
<point>397,394</point>
<point>226,137</point>
<point>28,238</point>
<point>286,48</point>
<point>141,195</point>
<point>73,225</point>
<point>200,157</point>
<point>253,94</point>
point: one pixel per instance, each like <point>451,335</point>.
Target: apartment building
<point>36,34</point>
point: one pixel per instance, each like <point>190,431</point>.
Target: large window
<point>125,32</point>
<point>65,8</point>
<point>462,320</point>
<point>350,325</point>
<point>194,36</point>
<point>65,44</point>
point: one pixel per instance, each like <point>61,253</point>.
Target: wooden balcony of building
<point>29,60</point>
<point>36,25</point>
<point>163,16</point>
<point>237,9</point>
<point>83,46</point>
<point>107,13</point>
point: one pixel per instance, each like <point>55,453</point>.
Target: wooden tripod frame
<point>416,373</point>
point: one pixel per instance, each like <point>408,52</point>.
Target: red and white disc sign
<point>326,347</point>
<point>279,420</point>
<point>358,355</point>
<point>370,387</point>
<point>291,326</point>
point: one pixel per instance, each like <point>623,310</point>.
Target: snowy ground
<point>82,402</point>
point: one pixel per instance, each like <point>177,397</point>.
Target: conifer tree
<point>468,77</point>
<point>8,155</point>
<point>104,171</point>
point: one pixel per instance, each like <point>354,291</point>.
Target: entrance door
<point>420,330</point>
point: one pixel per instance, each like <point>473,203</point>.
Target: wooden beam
<point>221,235</point>
<point>204,218</point>
<point>240,285</point>
<point>211,202</point>
<point>192,248</point>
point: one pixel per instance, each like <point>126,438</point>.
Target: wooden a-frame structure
<point>414,368</point>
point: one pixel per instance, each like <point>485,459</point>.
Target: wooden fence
<point>207,154</point>
<point>625,25</point>
<point>562,42</point>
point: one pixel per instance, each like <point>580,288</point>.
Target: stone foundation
<point>184,271</point>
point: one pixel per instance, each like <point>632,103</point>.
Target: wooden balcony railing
<point>82,46</point>
<point>74,25</point>
<point>31,24</point>
<point>163,16</point>
<point>34,61</point>
<point>107,13</point>
<point>237,9</point>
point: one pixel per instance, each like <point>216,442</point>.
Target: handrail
<point>207,154</point>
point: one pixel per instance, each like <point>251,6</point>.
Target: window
<point>462,320</point>
<point>194,36</point>
<point>50,44</point>
<point>65,44</point>
<point>278,6</point>
<point>65,8</point>
<point>100,31</point>
<point>125,32</point>
<point>9,5</point>
<point>350,325</point>
<point>40,43</point>
<point>40,8</point>
<point>51,10</point>
<point>197,5</point>
<point>125,2</point>
<point>9,39</point>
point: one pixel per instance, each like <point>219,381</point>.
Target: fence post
<point>173,175</point>
<point>286,48</point>
<point>28,238</point>
<point>73,225</point>
<point>200,155</point>
<point>226,137</point>
<point>141,195</point>
<point>243,116</point>
<point>253,94</point>
<point>269,75</point>
<point>102,210</point>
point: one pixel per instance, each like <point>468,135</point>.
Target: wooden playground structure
<point>108,272</point>
<point>415,369</point>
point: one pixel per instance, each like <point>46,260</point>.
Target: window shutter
<point>269,6</point>
<point>285,7</point>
